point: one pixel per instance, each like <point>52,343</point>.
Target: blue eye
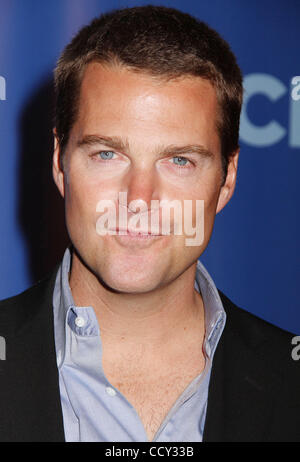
<point>106,155</point>
<point>182,161</point>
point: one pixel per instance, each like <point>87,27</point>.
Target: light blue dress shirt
<point>94,410</point>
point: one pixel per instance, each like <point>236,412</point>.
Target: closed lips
<point>134,232</point>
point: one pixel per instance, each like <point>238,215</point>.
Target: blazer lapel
<point>30,408</point>
<point>242,389</point>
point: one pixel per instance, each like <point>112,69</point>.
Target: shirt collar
<point>65,310</point>
<point>215,316</point>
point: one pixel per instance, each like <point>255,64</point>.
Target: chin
<point>129,282</point>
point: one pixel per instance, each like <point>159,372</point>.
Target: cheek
<point>80,204</point>
<point>207,190</point>
<point>82,191</point>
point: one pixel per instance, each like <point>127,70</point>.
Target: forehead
<point>116,99</point>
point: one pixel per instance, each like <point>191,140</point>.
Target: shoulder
<point>242,320</point>
<point>22,308</point>
<point>270,344</point>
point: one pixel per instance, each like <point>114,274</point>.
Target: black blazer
<point>254,392</point>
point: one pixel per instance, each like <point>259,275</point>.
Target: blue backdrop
<point>254,251</point>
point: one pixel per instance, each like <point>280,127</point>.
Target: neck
<point>153,318</point>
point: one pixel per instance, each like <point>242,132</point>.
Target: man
<point>129,339</point>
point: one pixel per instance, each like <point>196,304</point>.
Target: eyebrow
<point>111,141</point>
<point>118,144</point>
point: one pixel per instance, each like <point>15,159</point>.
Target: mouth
<point>137,234</point>
<point>134,238</point>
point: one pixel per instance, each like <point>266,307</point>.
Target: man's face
<point>150,139</point>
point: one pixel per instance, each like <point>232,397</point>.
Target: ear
<point>228,187</point>
<point>57,168</point>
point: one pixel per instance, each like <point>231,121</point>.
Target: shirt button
<point>110,391</point>
<point>79,321</point>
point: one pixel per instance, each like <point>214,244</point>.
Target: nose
<point>141,186</point>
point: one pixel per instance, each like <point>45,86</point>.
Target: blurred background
<point>253,255</point>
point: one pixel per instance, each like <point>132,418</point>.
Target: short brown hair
<point>160,41</point>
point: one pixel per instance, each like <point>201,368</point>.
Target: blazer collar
<point>242,388</point>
